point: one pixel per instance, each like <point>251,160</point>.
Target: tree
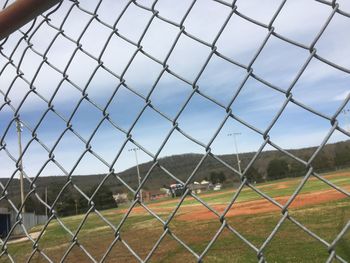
<point>342,155</point>
<point>254,176</point>
<point>213,177</point>
<point>33,205</point>
<point>221,177</point>
<point>277,169</point>
<point>66,206</point>
<point>322,162</point>
<point>103,199</point>
<point>217,177</point>
<point>297,169</point>
<point>67,202</point>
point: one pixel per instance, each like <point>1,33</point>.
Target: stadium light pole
<point>76,206</point>
<point>347,121</point>
<point>137,168</point>
<point>20,163</point>
<point>234,134</point>
<point>46,201</point>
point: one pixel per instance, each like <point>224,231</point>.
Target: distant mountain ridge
<point>182,167</point>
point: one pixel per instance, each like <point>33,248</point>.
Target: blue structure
<point>5,222</point>
<point>8,219</point>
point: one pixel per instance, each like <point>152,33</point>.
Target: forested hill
<point>333,156</point>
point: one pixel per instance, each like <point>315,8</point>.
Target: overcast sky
<point>321,87</point>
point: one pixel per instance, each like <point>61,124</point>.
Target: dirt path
<point>260,206</point>
<point>199,212</point>
<point>33,235</point>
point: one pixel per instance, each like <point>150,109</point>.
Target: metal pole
<point>76,207</point>
<point>46,201</point>
<point>138,170</point>
<point>236,149</point>
<point>20,163</point>
<point>20,13</point>
<point>347,121</point>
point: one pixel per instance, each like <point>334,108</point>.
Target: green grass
<point>141,231</point>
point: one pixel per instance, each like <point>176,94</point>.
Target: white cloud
<point>341,96</point>
<point>300,20</point>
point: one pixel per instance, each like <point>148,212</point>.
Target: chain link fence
<point>11,60</point>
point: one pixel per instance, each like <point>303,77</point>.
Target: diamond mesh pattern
<point>11,61</point>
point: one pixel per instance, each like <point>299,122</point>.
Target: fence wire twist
<point>26,38</point>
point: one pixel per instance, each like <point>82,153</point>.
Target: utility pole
<point>46,201</point>
<point>137,168</point>
<point>234,134</point>
<point>20,163</point>
<point>347,121</point>
<point>76,206</point>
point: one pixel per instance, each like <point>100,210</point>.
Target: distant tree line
<point>271,167</point>
<point>253,176</point>
<point>71,202</point>
<point>280,167</point>
<point>217,177</point>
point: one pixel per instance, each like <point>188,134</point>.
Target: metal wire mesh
<point>7,52</point>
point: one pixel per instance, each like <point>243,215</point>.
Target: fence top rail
<point>21,12</point>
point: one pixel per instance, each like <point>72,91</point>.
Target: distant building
<point>203,186</point>
<point>8,219</point>
<point>121,198</point>
<point>196,187</point>
<point>217,187</point>
<point>176,190</point>
<point>166,191</point>
<point>153,195</point>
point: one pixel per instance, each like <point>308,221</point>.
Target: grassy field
<point>318,207</point>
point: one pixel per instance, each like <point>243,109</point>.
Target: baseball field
<point>318,207</point>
